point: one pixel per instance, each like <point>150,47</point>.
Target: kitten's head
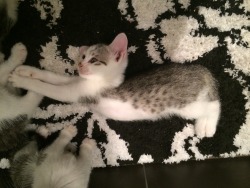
<point>107,62</point>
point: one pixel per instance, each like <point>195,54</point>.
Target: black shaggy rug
<point>215,34</point>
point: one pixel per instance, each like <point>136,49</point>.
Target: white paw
<point>43,131</point>
<point>88,144</point>
<point>26,71</point>
<point>203,128</point>
<point>210,131</point>
<point>69,130</point>
<point>19,53</point>
<point>15,80</point>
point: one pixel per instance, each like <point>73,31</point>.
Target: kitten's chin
<point>90,76</point>
<point>86,76</point>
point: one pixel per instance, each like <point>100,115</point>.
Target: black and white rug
<point>213,33</point>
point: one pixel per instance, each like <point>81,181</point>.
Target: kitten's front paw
<point>26,71</point>
<point>69,130</point>
<point>19,53</point>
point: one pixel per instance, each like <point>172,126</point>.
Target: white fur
<point>11,104</point>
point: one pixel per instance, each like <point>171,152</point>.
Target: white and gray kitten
<point>56,166</point>
<point>15,110</point>
<point>189,91</point>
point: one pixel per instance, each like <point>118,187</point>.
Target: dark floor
<point>216,173</point>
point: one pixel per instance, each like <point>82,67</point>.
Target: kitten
<point>55,166</point>
<point>15,110</point>
<point>189,91</point>
<point>8,17</point>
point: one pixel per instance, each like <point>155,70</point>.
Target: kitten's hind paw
<point>43,131</point>
<point>69,130</point>
<point>18,53</point>
<point>87,151</point>
<point>204,128</point>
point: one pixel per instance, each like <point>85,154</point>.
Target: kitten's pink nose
<point>80,64</point>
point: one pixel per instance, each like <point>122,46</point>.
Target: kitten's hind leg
<point>65,136</point>
<point>206,125</point>
<point>84,160</point>
<point>17,57</point>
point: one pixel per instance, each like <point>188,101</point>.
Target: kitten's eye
<point>93,60</point>
<point>83,56</point>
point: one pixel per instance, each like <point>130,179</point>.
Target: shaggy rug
<point>214,33</point>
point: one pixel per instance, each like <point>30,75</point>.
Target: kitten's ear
<point>119,46</point>
<point>82,49</point>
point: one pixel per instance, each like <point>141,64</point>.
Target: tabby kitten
<point>189,91</point>
<point>55,166</point>
<point>15,110</point>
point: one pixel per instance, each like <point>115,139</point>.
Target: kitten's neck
<point>108,82</point>
<point>115,79</point>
